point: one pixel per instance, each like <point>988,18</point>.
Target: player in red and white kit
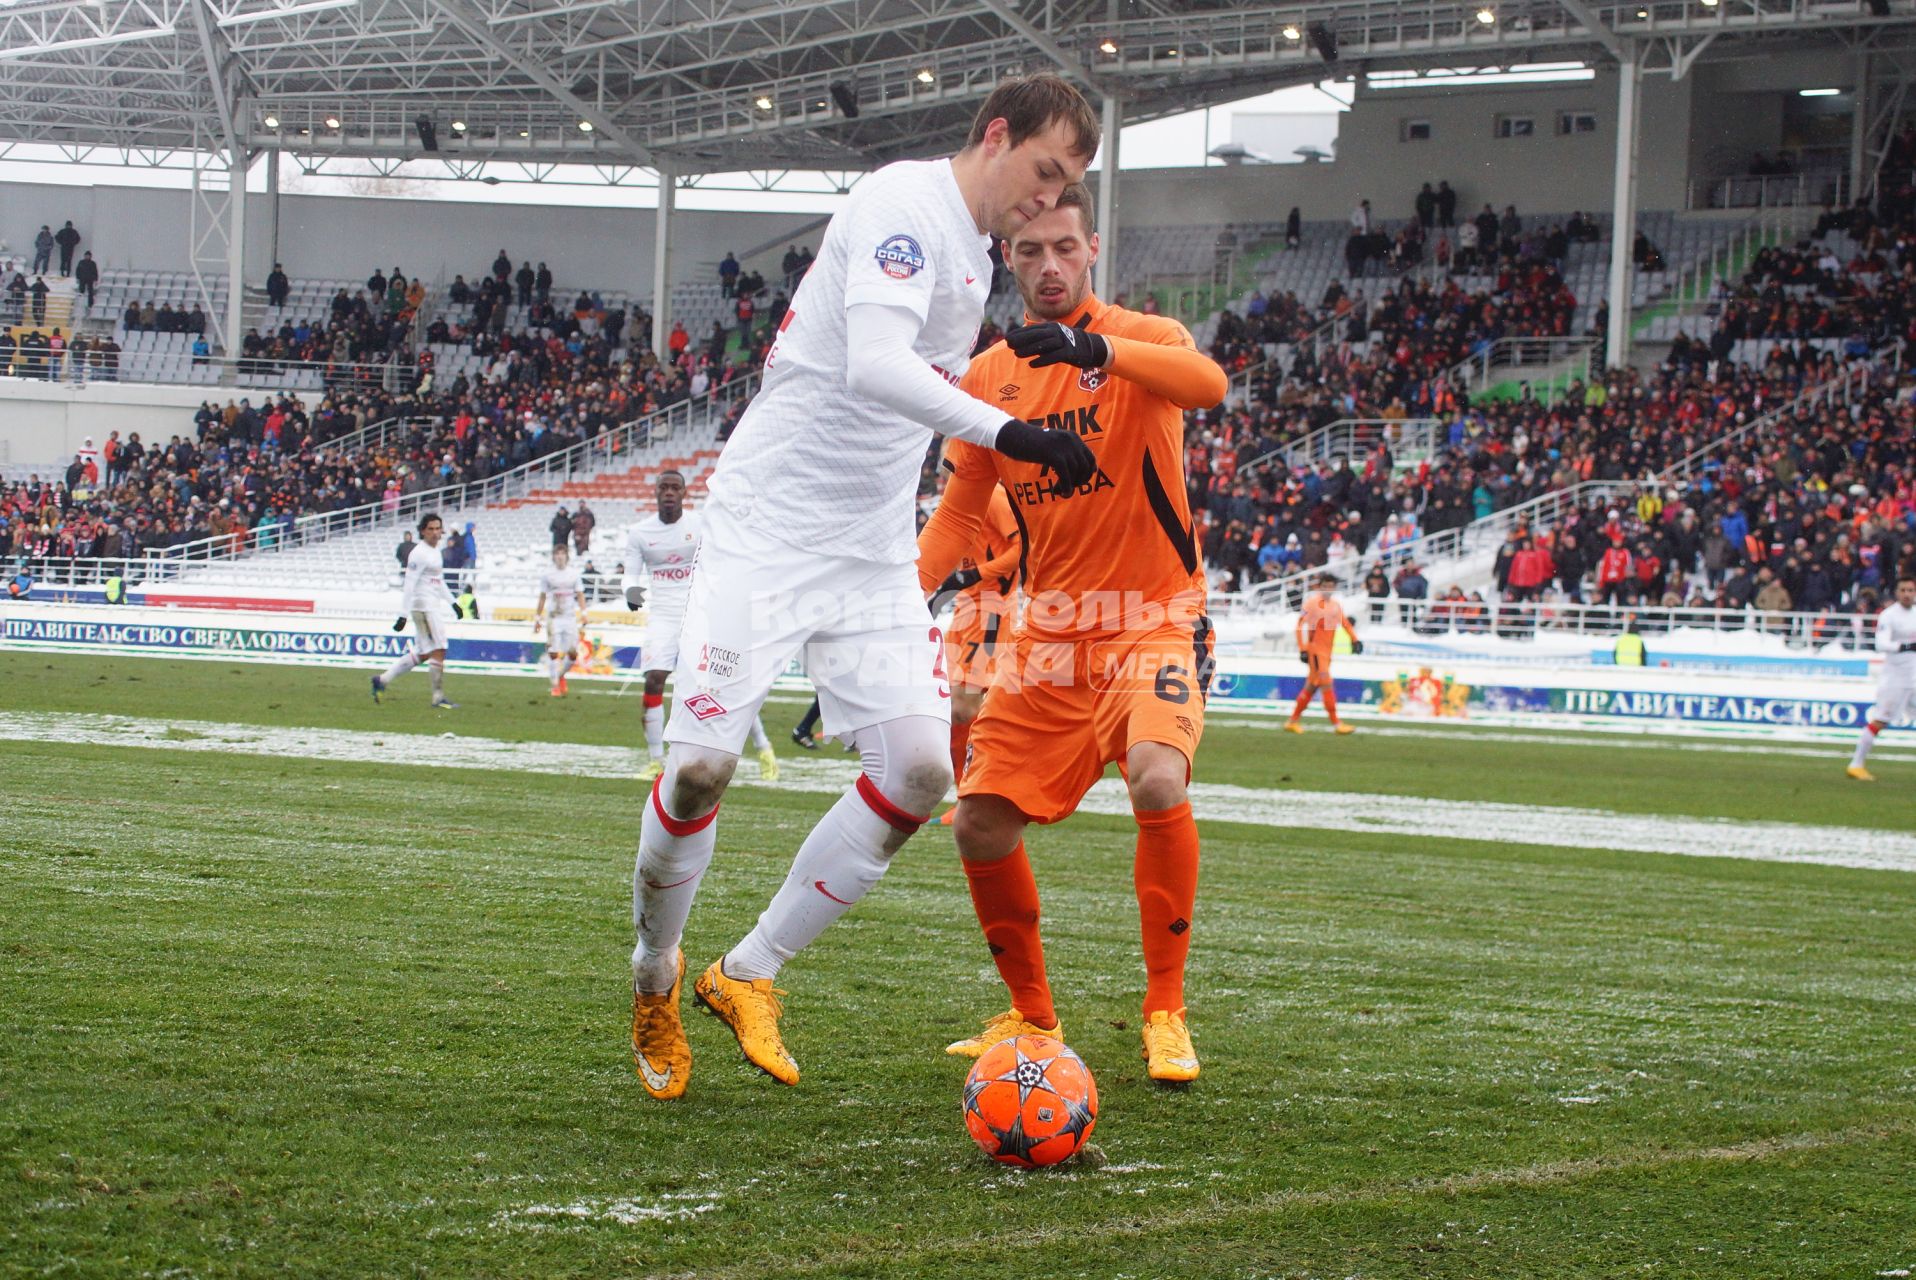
<point>1896,691</point>
<point>809,546</point>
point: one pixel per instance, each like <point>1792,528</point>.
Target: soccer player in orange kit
<point>1317,628</point>
<point>1113,659</point>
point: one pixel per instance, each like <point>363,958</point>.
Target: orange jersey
<point>1120,551</point>
<point>1318,625</point>
<point>997,552</point>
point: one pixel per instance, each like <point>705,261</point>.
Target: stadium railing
<point>555,468</point>
<point>181,367</point>
<point>1556,360</point>
<point>1354,438</point>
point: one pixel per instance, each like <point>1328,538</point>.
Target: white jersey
<point>667,552</point>
<point>811,463</point>
<point>1896,627</point>
<point>562,589</point>
<point>425,586</point>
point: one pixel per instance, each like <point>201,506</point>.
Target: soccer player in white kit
<point>809,547</point>
<point>561,608</point>
<point>425,599</point>
<point>664,545</point>
<point>1896,691</point>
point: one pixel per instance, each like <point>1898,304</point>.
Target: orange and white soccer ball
<point>1030,1101</point>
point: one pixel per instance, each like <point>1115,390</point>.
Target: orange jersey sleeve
<point>955,527</point>
<point>1120,550</point>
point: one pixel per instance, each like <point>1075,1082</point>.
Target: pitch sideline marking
<point>1367,813</point>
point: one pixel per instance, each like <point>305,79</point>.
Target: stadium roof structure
<point>710,86</point>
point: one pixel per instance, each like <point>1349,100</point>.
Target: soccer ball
<point>1030,1101</point>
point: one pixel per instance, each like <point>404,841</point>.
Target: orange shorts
<point>978,635</point>
<point>1320,664</point>
<point>1061,710</point>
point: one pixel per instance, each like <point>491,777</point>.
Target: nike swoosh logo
<point>971,279</point>
<point>820,886</point>
<point>654,884</point>
<point>653,1079</point>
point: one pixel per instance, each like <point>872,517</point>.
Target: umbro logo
<point>1009,390</point>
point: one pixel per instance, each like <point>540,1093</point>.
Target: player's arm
<point>1003,567</point>
<point>538,611</point>
<point>953,527</point>
<point>1160,357</point>
<point>1357,646</point>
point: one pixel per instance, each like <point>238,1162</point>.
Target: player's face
<point>671,496</point>
<point>1906,594</point>
<point>1021,182</point>
<point>431,534</point>
<point>559,557</point>
<point>1051,259</point>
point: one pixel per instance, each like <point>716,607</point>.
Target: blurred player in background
<point>425,599</point>
<point>665,544</point>
<point>1896,691</point>
<point>808,547</point>
<point>983,593</point>
<point>1112,662</point>
<point>1317,627</point>
<point>561,608</point>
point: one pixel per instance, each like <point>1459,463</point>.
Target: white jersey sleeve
<point>815,463</point>
<point>424,589</point>
<point>1896,627</point>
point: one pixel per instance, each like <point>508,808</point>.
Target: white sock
<point>1864,741</point>
<point>400,668</point>
<point>655,732</point>
<point>839,862</point>
<point>558,665</point>
<point>437,667</point>
<point>665,879</point>
<point>760,741</point>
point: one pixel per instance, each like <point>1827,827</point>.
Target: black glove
<point>1068,457</point>
<point>634,597</point>
<point>1357,646</point>
<point>1908,647</point>
<point>399,623</point>
<point>959,580</point>
<point>1303,657</point>
<point>1054,343</point>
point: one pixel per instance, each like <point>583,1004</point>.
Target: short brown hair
<point>1077,196</point>
<point>1031,104</point>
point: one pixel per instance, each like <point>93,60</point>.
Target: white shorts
<point>659,650</point>
<point>562,636</point>
<point>862,628</point>
<point>429,631</point>
<point>1895,699</point>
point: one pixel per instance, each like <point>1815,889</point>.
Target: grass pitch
<point>264,1014</point>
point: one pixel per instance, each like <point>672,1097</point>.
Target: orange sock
<point>1330,703</point>
<point>1005,895</point>
<point>1303,701</point>
<point>960,739</point>
<point>1166,871</point>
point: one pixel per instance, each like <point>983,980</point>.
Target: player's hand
<point>1304,658</point>
<point>1054,343</point>
<point>634,597</point>
<point>1908,646</point>
<point>959,580</point>
<point>399,623</point>
<point>1068,457</point>
<point>1357,646</point>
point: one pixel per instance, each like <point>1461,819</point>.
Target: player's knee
<point>966,704</point>
<point>655,683</point>
<point>910,762</point>
<point>987,828</point>
<point>699,779</point>
<point>1156,776</point>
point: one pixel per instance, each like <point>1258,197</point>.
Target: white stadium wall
<point>44,424</point>
<point>345,237</point>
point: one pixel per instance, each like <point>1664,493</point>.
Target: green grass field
<point>264,1013</point>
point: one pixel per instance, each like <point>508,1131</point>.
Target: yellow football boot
<point>1167,1048</point>
<point>1292,726</point>
<point>660,1052</point>
<point>751,1010</point>
<point>1859,773</point>
<point>1002,1027</point>
<point>1346,728</point>
<point>651,771</point>
<point>767,766</point>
